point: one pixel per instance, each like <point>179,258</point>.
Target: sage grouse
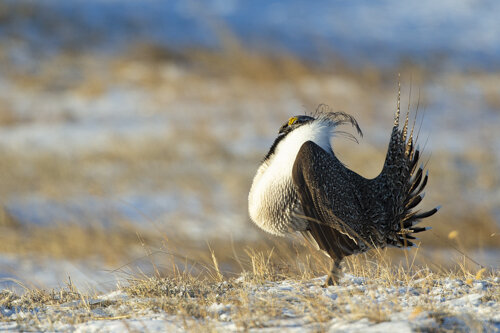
<point>302,186</point>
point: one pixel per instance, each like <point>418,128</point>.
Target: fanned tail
<point>404,183</point>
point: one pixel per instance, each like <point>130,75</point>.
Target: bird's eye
<point>292,121</point>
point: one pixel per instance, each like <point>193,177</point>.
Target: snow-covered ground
<point>21,272</point>
<point>18,272</point>
<point>357,304</point>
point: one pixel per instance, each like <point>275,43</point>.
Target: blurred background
<point>130,130</point>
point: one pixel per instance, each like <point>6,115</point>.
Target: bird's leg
<point>335,274</point>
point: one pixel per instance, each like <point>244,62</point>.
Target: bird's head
<point>323,120</point>
<point>293,123</point>
<point>326,118</point>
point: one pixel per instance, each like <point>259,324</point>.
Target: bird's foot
<point>330,281</point>
<point>334,276</point>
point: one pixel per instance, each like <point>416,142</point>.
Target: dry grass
<point>258,299</point>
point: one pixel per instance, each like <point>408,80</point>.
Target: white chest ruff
<point>273,203</point>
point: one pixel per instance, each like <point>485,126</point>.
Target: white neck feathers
<point>316,131</point>
<point>273,182</point>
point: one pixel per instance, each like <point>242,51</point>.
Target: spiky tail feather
<point>405,182</point>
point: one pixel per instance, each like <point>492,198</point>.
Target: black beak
<point>283,129</point>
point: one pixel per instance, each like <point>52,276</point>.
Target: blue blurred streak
<point>383,33</point>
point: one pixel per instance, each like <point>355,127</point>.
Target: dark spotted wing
<point>332,199</point>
